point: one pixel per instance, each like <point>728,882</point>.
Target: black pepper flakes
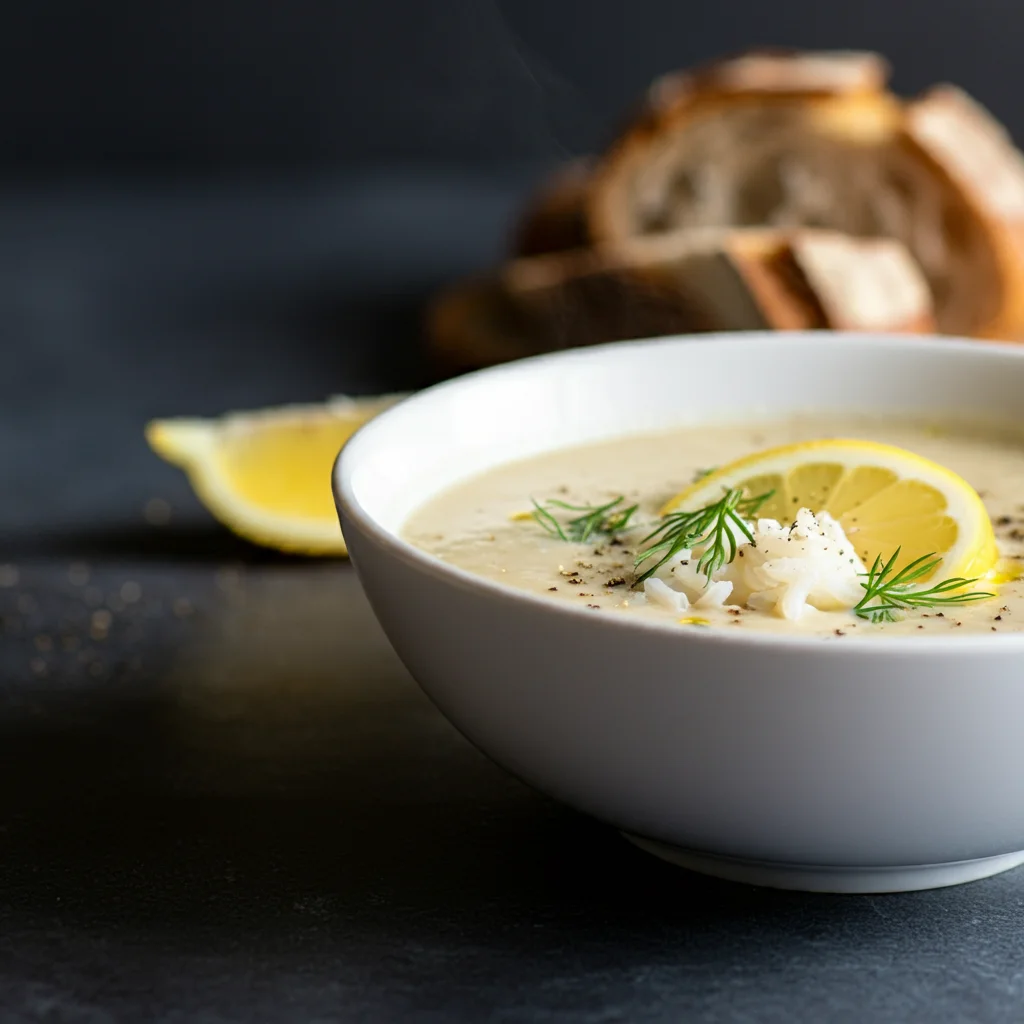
<point>615,581</point>
<point>552,588</point>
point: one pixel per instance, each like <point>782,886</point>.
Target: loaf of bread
<point>696,281</point>
<point>815,140</point>
<point>772,190</point>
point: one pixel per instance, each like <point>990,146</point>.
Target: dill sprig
<point>607,519</point>
<point>712,526</point>
<point>887,594</point>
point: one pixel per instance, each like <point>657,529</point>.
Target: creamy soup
<point>482,525</point>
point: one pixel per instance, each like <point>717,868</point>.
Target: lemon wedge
<point>883,497</point>
<point>267,475</point>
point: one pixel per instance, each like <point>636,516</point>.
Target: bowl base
<point>811,878</point>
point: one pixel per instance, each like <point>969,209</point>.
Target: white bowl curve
<point>890,763</point>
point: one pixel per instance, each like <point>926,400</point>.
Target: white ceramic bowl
<point>892,763</point>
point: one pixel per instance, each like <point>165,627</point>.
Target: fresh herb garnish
<point>887,594</point>
<point>607,519</point>
<point>712,526</point>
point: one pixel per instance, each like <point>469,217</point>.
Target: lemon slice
<point>884,498</point>
<point>267,474</point>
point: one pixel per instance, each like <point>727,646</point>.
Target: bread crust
<point>738,279</point>
<point>554,219</point>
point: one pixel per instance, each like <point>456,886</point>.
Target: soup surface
<point>481,525</point>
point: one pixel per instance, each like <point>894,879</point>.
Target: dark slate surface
<point>236,805</point>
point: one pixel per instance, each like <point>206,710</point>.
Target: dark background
<point>243,84</point>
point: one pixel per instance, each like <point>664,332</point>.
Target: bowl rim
<point>906,645</point>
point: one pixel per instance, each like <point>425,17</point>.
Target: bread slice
<point>701,136</point>
<point>708,280</point>
<point>554,219</point>
<point>863,284</point>
<point>787,140</point>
